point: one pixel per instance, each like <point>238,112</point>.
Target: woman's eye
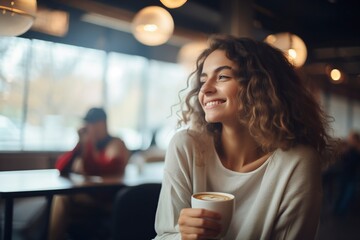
<point>223,77</point>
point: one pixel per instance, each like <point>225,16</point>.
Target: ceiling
<point>329,28</point>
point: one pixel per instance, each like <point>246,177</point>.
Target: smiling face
<point>218,94</point>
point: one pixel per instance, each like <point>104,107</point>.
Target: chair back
<point>134,212</point>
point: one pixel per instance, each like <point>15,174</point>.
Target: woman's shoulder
<point>301,151</point>
<point>299,155</point>
<point>189,136</point>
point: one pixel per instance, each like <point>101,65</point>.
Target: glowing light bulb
<point>292,53</point>
<point>153,26</point>
<point>173,3</point>
<point>335,74</point>
<point>150,27</point>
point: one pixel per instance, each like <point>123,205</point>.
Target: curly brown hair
<point>276,107</point>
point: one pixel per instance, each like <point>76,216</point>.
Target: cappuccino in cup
<point>212,197</point>
<point>222,203</point>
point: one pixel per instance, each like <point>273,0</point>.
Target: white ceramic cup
<point>223,203</point>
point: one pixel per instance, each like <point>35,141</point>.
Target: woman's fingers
<point>200,212</point>
<point>199,232</point>
<point>201,224</point>
<point>198,223</point>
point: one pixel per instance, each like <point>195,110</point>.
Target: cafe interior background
<point>84,53</point>
<point>133,58</point>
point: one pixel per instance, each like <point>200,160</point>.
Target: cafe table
<point>48,182</point>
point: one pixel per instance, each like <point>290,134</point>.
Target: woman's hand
<point>196,223</point>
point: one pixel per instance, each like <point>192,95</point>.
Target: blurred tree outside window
<point>64,82</point>
<point>164,83</point>
<point>14,56</point>
<point>46,88</point>
<point>124,96</point>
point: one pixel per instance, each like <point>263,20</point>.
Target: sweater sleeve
<point>299,211</point>
<point>176,186</point>
<point>65,161</point>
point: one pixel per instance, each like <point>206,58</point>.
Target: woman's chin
<point>211,120</point>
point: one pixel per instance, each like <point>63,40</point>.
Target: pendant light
<point>153,26</point>
<point>292,45</point>
<point>16,16</point>
<point>189,53</point>
<point>173,3</point>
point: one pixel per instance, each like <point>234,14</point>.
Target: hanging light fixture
<point>292,45</point>
<point>335,75</point>
<point>189,53</point>
<point>153,26</point>
<point>16,16</point>
<point>173,3</point>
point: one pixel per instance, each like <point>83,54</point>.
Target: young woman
<point>255,133</point>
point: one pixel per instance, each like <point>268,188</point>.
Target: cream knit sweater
<point>279,200</point>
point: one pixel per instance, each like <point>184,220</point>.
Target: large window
<point>14,55</point>
<point>46,88</point>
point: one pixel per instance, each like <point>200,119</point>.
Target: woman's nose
<point>207,87</point>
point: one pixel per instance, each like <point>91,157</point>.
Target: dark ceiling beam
<point>237,18</point>
<point>336,53</point>
<point>180,36</point>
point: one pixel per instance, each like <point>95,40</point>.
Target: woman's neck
<point>239,151</point>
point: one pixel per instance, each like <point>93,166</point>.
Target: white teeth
<point>213,103</point>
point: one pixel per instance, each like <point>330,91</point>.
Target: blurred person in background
<point>348,174</point>
<point>97,153</point>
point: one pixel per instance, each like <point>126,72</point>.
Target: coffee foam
<point>212,197</point>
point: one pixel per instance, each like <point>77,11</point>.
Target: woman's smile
<point>213,103</point>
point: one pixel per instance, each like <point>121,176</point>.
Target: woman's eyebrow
<point>222,68</point>
<point>218,69</point>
